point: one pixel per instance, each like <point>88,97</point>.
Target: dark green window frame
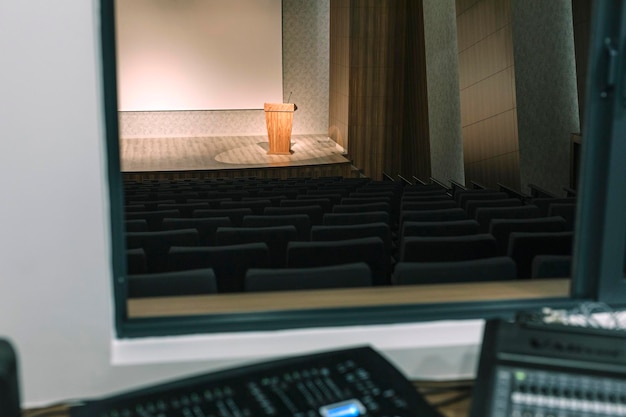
<point>598,268</point>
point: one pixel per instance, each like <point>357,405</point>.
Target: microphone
<point>289,96</point>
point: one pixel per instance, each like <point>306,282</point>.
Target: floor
<point>232,152</point>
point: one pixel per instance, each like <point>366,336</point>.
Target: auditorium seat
<point>354,231</point>
<point>472,205</point>
<point>362,208</point>
<point>433,215</point>
<point>313,195</point>
<point>484,215</point>
<point>428,189</point>
<point>185,209</point>
<point>231,194</point>
<point>275,237</point>
<point>565,210</point>
<point>179,197</point>
<point>501,229</point>
<point>152,217</point>
<point>301,222</point>
<point>257,206</point>
<point>463,196</point>
<point>314,212</point>
<point>523,247</point>
<point>168,284</point>
<point>337,219</point>
<point>417,198</point>
<point>370,250</point>
<point>214,203</point>
<point>324,203</point>
<point>544,202</point>
<point>136,225</point>
<point>427,205</point>
<point>136,262</point>
<point>235,215</point>
<point>552,266</point>
<point>153,204</point>
<point>206,227</point>
<point>128,208</point>
<point>445,228</point>
<point>499,268</point>
<point>447,248</point>
<point>323,277</point>
<point>229,263</point>
<point>360,198</point>
<point>156,244</point>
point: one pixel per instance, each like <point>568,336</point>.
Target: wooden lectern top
<point>280,107</point>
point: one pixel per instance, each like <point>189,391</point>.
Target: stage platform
<point>231,157</point>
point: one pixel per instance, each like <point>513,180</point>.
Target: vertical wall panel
<point>339,65</point>
<point>488,92</point>
<point>545,72</point>
<point>444,108</point>
<point>581,16</point>
<point>415,136</point>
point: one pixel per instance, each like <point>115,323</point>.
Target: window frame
<point>593,276</point>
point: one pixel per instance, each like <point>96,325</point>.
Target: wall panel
<point>487,92</point>
<point>545,71</point>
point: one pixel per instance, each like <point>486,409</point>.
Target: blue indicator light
<point>350,408</point>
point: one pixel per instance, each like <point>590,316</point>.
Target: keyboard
<point>344,383</point>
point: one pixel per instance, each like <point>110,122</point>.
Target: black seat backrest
<point>565,210</point>
<point>433,215</point>
<point>257,206</point>
<point>230,263</point>
<point>523,247</point>
<point>551,266</point>
<point>301,222</point>
<point>501,229</point>
<point>355,218</point>
<point>325,203</point>
<point>276,238</point>
<point>428,205</point>
<point>168,284</point>
<point>153,217</point>
<point>544,202</point>
<point>445,228</point>
<point>484,215</point>
<point>500,268</point>
<point>447,248</point>
<point>354,231</point>
<point>370,250</point>
<point>234,214</point>
<point>472,205</point>
<point>464,196</point>
<point>314,212</point>
<point>332,276</point>
<point>186,209</point>
<point>157,244</point>
<point>362,208</point>
<point>206,226</point>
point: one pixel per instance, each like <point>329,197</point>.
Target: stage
<point>231,156</point>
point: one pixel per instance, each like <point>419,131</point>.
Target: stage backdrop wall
<point>305,73</point>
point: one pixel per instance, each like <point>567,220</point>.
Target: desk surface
<point>453,395</point>
<point>353,297</point>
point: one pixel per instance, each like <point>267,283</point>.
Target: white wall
<point>55,297</point>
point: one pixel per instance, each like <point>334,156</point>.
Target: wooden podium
<point>279,118</point>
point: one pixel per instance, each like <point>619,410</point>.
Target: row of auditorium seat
<point>422,228</point>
